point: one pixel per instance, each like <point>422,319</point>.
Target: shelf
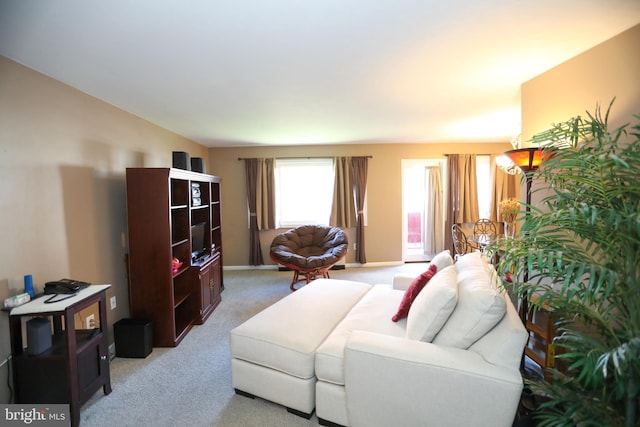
<point>538,330</point>
<point>178,243</point>
<point>181,270</point>
<point>85,338</point>
<point>540,351</point>
<point>180,298</point>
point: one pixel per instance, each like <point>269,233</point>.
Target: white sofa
<point>333,348</point>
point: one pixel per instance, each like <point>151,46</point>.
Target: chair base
<point>309,275</point>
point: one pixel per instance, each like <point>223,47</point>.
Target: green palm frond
<point>579,249</point>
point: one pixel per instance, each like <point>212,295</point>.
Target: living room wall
<point>63,156</point>
<point>384,194</point>
<point>596,76</point>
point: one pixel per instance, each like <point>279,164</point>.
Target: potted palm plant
<point>579,250</point>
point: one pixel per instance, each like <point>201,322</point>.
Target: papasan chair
<point>309,250</point>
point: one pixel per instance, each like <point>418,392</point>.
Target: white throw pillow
<point>433,305</point>
<point>442,260</point>
<point>480,304</point>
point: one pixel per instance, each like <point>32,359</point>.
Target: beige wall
<point>384,226</point>
<point>63,156</point>
<point>610,69</point>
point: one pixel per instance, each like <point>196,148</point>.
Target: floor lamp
<point>527,160</point>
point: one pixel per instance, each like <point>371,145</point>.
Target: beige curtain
<point>343,212</point>
<point>434,236</point>
<point>266,194</point>
<point>468,202</point>
<point>505,187</point>
<point>462,194</point>
<point>260,201</point>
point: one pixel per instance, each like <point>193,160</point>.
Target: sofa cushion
<point>285,335</point>
<point>412,292</point>
<point>371,314</point>
<point>438,262</point>
<point>503,344</point>
<point>442,260</point>
<point>480,304</point>
<point>432,306</point>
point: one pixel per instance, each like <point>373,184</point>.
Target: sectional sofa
<point>440,349</point>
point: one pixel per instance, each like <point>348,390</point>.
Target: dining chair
<point>485,226</point>
<point>461,245</point>
<point>484,233</point>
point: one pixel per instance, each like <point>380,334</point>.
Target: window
<point>304,191</point>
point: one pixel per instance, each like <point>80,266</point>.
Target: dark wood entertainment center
<point>166,207</point>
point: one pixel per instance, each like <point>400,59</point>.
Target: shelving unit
<point>540,347</point>
<point>163,205</point>
<point>75,366</point>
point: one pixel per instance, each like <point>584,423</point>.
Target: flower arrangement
<point>509,209</point>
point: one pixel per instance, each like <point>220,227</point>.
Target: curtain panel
<point>343,211</point>
<point>468,194</point>
<point>434,236</point>
<point>359,170</point>
<point>462,200</point>
<point>259,175</point>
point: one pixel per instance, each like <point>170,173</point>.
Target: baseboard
<point>338,267</point>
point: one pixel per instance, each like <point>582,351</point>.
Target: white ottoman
<point>273,353</point>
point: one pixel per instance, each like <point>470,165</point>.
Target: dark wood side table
<point>77,363</point>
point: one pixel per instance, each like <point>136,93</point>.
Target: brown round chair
<point>309,250</point>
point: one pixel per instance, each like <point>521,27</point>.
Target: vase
<point>509,230</point>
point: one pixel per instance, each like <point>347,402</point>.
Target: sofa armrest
<point>418,383</point>
<point>401,281</point>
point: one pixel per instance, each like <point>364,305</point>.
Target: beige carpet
<point>190,385</point>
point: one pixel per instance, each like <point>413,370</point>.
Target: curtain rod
<point>308,157</point>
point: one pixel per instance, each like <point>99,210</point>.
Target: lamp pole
<point>527,160</point>
<point>527,210</point>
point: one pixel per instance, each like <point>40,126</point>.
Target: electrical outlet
<point>90,321</point>
<point>113,303</point>
<point>355,246</point>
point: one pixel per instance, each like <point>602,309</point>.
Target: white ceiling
<point>290,72</point>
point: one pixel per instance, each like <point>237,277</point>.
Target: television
<point>198,241</point>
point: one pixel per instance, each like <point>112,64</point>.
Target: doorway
<point>422,209</point>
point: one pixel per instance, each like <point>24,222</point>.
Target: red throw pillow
<point>412,292</point>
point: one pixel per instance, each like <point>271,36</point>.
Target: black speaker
<point>38,335</point>
<point>197,164</point>
<point>181,160</point>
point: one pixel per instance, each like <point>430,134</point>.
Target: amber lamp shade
<point>526,159</point>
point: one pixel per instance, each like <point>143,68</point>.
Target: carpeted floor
<point>190,385</point>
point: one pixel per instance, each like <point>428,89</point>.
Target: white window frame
<point>303,191</point>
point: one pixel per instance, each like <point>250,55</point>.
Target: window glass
<point>304,191</point>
